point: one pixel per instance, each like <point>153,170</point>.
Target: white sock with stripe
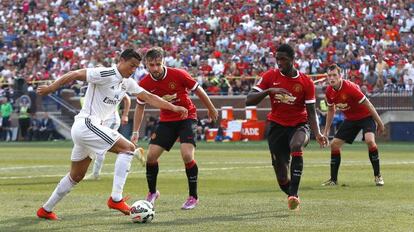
<point>122,166</point>
<point>65,185</point>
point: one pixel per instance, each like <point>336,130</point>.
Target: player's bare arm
<point>255,97</point>
<point>158,102</point>
<point>79,75</point>
<point>313,122</point>
<point>138,116</point>
<point>127,105</point>
<point>212,111</point>
<point>329,119</point>
<point>375,115</point>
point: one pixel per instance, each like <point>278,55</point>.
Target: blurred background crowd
<point>225,45</point>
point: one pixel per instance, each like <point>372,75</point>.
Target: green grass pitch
<point>237,191</point>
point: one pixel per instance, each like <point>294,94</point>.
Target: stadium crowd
<point>224,44</point>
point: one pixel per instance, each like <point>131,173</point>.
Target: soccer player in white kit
<point>106,88</point>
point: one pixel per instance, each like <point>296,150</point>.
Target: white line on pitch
<point>348,163</point>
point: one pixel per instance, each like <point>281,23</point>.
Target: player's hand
<point>182,111</point>
<point>213,114</point>
<point>124,119</point>
<point>380,128</point>
<point>322,140</point>
<point>134,137</point>
<point>279,91</point>
<point>43,90</point>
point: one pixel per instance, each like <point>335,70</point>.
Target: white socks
<point>122,165</point>
<point>97,165</point>
<point>65,185</point>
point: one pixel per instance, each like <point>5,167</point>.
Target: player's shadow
<point>250,216</point>
<point>22,224</point>
<point>253,191</point>
<point>71,222</point>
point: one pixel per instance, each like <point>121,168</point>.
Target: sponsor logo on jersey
<point>342,106</point>
<point>285,98</point>
<point>169,98</point>
<point>111,101</point>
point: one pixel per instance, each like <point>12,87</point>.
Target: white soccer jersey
<point>106,89</point>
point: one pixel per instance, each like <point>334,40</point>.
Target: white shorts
<point>113,122</point>
<point>90,138</point>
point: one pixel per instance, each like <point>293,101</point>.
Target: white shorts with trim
<point>90,138</point>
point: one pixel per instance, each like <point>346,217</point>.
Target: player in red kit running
<point>359,113</point>
<point>292,96</point>
<point>173,85</point>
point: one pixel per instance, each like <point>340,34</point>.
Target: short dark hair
<point>154,53</point>
<point>333,67</point>
<point>130,53</point>
<point>287,49</point>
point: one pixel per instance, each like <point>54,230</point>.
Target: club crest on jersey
<point>123,87</point>
<point>343,97</point>
<point>171,85</point>
<point>297,88</point>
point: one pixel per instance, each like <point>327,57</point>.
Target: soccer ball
<point>142,211</point>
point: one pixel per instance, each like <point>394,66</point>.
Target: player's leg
<point>280,163</point>
<point>162,139</point>
<point>336,145</point>
<point>279,151</point>
<point>113,123</point>
<point>299,139</point>
<point>124,149</point>
<point>187,133</point>
<point>345,134</point>
<point>191,170</point>
<point>152,168</point>
<point>76,174</point>
<point>369,128</point>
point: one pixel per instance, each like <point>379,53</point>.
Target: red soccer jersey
<point>288,110</point>
<point>174,88</point>
<point>348,99</point>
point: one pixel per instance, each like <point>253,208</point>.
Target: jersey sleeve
<point>263,83</point>
<point>133,87</point>
<point>357,94</point>
<point>188,81</point>
<point>94,75</point>
<point>309,91</point>
<point>142,86</point>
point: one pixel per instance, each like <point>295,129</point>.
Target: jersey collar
<point>340,86</point>
<point>297,74</point>
<point>118,74</point>
<point>165,74</point>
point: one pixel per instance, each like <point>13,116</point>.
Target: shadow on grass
<point>76,222</point>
